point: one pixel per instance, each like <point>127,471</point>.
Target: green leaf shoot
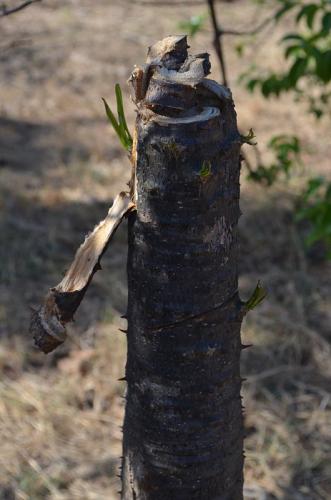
<point>256,298</point>
<point>205,170</point>
<point>119,125</point>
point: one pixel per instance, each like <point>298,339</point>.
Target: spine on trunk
<point>183,429</point>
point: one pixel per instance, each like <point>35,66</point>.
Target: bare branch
<point>48,322</point>
<point>163,3</point>
<point>251,32</point>
<point>4,11</point>
<point>218,40</point>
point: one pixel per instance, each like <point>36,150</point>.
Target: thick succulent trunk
<point>183,429</point>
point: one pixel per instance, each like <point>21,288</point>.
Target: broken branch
<point>61,302</point>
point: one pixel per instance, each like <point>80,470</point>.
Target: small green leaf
<point>313,185</point>
<point>121,116</point>
<point>286,7</point>
<point>323,65</point>
<point>326,22</point>
<point>293,36</point>
<point>297,70</point>
<point>308,11</point>
<point>292,50</point>
<point>251,84</point>
<point>119,126</point>
<point>111,117</point>
<point>256,298</point>
<point>205,170</point>
<point>193,25</point>
<point>315,207</point>
<point>240,49</point>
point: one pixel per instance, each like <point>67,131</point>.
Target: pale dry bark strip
<point>48,322</point>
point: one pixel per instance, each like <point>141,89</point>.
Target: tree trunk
<point>183,428</point>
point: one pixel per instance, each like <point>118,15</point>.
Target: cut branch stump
<point>183,429</point>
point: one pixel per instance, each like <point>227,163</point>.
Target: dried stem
<point>251,32</point>
<point>48,322</point>
<point>218,42</point>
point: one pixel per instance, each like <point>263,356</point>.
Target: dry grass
<point>60,165</point>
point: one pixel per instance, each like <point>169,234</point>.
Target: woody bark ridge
<point>183,427</point>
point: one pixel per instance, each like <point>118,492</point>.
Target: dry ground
<point>60,165</point>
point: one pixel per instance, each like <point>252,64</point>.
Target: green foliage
<point>308,51</point>
<point>286,149</point>
<point>119,125</point>
<point>256,298</point>
<point>193,25</point>
<point>315,206</point>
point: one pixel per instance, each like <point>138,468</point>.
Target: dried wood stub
<point>48,322</point>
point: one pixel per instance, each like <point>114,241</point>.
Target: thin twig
<point>196,315</point>
<point>251,32</point>
<point>163,3</point>
<point>221,32</point>
<point>218,45</point>
<point>7,12</point>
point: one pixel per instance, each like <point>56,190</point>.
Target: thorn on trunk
<point>245,346</point>
<point>121,379</point>
<point>124,331</point>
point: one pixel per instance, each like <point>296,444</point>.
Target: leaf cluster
<point>286,150</point>
<point>308,51</point>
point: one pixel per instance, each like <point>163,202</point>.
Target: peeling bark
<point>183,429</point>
<point>61,302</point>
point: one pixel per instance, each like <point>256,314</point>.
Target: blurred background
<point>61,165</point>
